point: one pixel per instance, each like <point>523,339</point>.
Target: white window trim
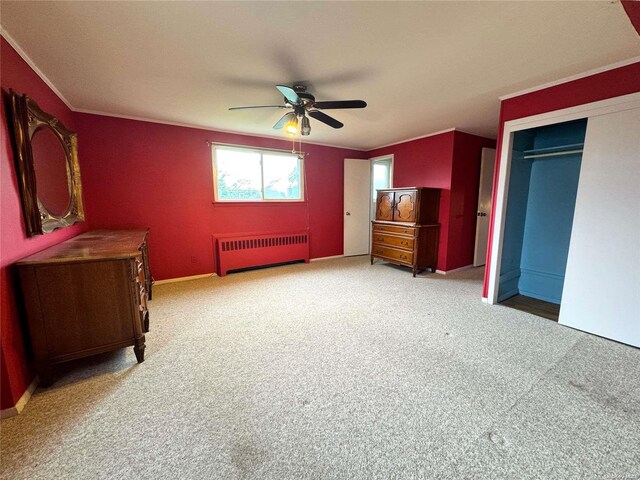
<point>260,151</point>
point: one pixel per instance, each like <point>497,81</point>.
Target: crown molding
<point>578,76</point>
<point>440,132</point>
<point>10,40</point>
<point>209,128</point>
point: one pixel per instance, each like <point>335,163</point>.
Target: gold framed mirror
<point>47,166</point>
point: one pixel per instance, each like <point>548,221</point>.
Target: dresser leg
<point>138,349</point>
<point>414,272</point>
<point>146,322</point>
<point>371,259</point>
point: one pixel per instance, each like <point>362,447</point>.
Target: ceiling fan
<point>303,104</point>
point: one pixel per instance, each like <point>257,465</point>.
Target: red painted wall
<point>467,152</point>
<point>609,84</point>
<point>160,176</point>
<point>632,9</point>
<point>16,372</point>
<point>450,161</point>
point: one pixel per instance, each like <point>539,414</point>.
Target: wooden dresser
<point>87,295</point>
<point>406,228</point>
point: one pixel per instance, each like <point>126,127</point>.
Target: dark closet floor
<point>534,306</point>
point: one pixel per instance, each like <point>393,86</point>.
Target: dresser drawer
<point>394,229</point>
<point>383,239</point>
<point>400,256</point>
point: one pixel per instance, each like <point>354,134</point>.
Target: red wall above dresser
<point>16,373</point>
<point>425,162</point>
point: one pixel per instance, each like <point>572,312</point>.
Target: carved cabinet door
<point>405,206</point>
<point>384,206</point>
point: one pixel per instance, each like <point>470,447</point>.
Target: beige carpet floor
<point>337,370</point>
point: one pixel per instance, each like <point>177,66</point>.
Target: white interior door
<point>357,201</point>
<point>487,165</point>
<point>602,285</point>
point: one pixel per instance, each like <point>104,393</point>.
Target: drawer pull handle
<point>404,243</point>
<point>378,251</point>
<point>380,239</point>
<point>404,257</point>
<point>408,231</point>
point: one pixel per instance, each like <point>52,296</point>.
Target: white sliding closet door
<point>602,282</point>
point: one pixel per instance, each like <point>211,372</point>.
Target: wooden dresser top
<point>92,245</point>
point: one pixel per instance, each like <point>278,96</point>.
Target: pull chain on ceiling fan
<point>304,104</point>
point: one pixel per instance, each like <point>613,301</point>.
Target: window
<point>381,175</point>
<point>251,175</point>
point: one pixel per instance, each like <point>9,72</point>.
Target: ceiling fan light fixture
<point>303,104</point>
<point>291,127</point>
<point>305,128</point>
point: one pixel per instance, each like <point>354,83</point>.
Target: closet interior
<point>541,200</point>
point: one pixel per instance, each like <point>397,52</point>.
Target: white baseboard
<point>19,406</point>
<point>447,272</point>
<point>183,279</point>
<point>325,258</point>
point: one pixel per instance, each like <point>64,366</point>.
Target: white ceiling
<point>421,66</point>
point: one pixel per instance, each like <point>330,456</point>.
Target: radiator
<point>243,251</point>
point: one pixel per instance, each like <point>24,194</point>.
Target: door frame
<point>497,224</point>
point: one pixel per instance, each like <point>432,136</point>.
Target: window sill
<point>274,203</point>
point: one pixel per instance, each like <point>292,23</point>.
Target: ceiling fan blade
<point>289,94</point>
<point>286,117</point>
<point>324,118</point>
<point>258,106</point>
<point>340,104</point>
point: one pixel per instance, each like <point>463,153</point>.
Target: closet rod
<point>553,154</point>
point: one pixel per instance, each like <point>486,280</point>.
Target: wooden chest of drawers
<point>413,246</point>
<point>87,295</point>
<point>406,231</point>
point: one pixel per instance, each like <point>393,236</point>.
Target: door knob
<point>348,214</point>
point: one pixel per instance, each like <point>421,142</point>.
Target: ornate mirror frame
<point>27,119</point>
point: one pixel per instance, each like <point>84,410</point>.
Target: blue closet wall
<point>515,220</point>
<point>536,242</point>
